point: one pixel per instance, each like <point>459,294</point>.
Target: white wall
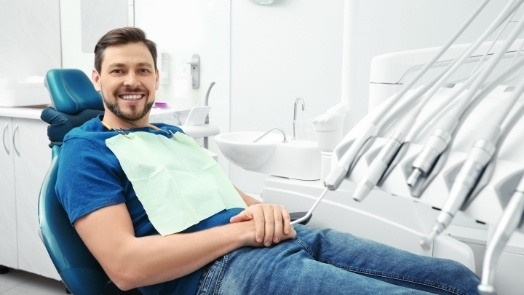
<point>30,38</point>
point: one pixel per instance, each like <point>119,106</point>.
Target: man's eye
<point>117,71</point>
<point>145,71</point>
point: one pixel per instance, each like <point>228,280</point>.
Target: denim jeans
<point>329,262</point>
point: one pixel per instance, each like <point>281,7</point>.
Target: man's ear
<point>95,76</point>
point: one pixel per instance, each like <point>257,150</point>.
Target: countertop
<point>32,112</point>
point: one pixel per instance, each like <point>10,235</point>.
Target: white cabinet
<point>8,240</point>
<point>25,160</point>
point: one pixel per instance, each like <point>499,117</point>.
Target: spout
<point>298,100</point>
<point>277,129</point>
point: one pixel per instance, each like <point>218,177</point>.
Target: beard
<point>135,114</point>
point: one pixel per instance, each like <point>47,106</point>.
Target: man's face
<point>127,81</point>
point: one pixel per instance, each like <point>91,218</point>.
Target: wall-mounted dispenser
<point>164,67</point>
<point>195,71</point>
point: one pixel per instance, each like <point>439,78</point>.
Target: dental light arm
<point>509,221</point>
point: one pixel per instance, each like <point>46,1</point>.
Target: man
<point>236,249</point>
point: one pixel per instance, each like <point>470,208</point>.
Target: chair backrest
<point>74,101</point>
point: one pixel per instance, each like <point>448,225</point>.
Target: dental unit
<point>346,157</point>
<point>390,150</point>
<point>426,142</point>
<point>440,138</point>
<point>483,149</point>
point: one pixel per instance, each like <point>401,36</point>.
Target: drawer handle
<point>3,139</point>
<point>14,141</point>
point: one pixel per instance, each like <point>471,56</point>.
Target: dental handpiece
<point>377,168</point>
<point>341,170</point>
<point>424,162</point>
<point>436,144</point>
<point>478,157</point>
<point>380,164</point>
<point>509,221</point>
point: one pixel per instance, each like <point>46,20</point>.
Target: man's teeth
<point>131,96</point>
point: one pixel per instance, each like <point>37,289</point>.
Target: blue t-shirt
<point>90,177</point>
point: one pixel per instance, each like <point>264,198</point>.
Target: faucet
<point>295,115</point>
<point>277,129</point>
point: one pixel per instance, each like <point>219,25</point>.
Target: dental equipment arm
<point>347,160</point>
<point>386,155</point>
<point>511,218</point>
<point>395,142</point>
<point>441,137</point>
<point>478,158</point>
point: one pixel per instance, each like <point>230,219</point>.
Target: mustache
<point>130,89</point>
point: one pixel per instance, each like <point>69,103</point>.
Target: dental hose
<point>478,158</point>
<point>310,212</point>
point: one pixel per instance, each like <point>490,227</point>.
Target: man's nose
<point>131,80</point>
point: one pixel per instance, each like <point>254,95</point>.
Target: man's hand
<point>271,223</point>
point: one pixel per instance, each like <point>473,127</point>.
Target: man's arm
<point>132,262</point>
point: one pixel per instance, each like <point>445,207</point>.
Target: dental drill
<point>476,162</point>
<point>510,219</point>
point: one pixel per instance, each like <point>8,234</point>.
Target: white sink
<point>297,159</point>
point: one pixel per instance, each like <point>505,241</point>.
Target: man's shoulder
<point>90,129</point>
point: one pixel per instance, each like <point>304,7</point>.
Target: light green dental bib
<point>176,181</point>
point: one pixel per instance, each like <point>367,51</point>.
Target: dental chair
<point>74,101</point>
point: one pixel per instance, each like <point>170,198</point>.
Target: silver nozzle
<point>414,177</point>
<point>509,221</point>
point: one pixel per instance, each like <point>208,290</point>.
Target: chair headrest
<point>72,91</point>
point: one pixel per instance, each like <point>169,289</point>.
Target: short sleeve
<point>88,179</point>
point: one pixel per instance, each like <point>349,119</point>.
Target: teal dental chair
<point>74,101</point>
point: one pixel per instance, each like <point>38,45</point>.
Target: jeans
<point>330,262</point>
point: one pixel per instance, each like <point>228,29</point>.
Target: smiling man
<point>127,83</point>
<point>159,214</point>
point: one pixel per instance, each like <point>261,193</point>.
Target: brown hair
<point>122,36</point>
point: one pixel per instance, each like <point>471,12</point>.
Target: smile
<point>131,96</point>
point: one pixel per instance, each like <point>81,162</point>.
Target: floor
<point>17,282</point>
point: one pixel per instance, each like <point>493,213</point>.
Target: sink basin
<point>297,159</point>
